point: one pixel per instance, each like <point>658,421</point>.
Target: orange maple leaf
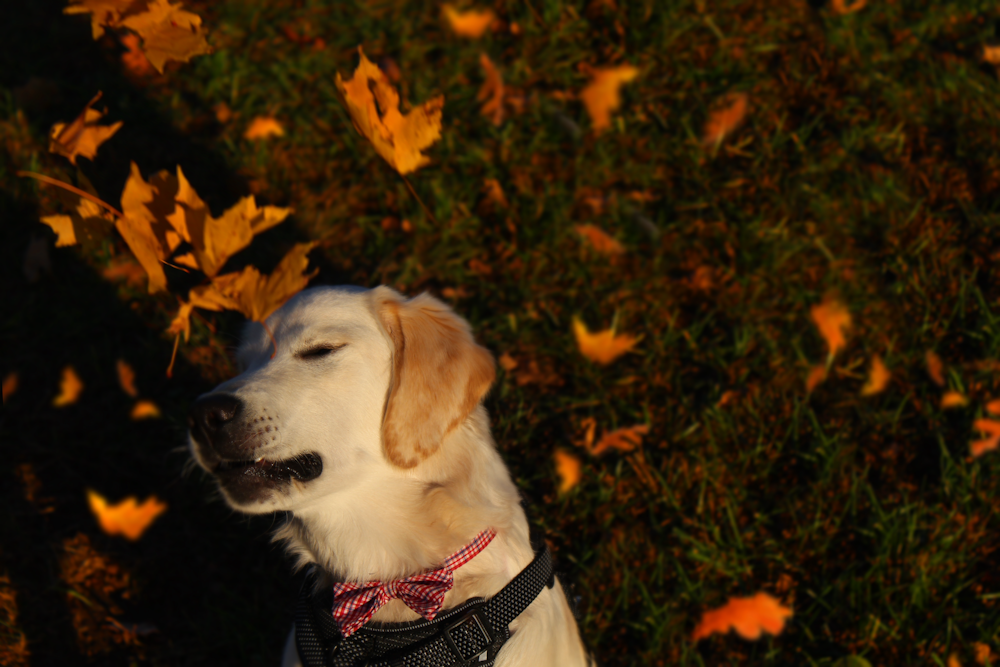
<point>732,109</point>
<point>491,94</point>
<point>623,439</point>
<point>70,388</point>
<point>128,517</point>
<point>878,377</point>
<point>257,295</point>
<point>83,136</point>
<point>168,33</point>
<point>979,447</point>
<point>748,616</point>
<point>832,319</point>
<point>602,347</point>
<point>86,220</point>
<point>471,24</point>
<point>126,378</point>
<point>263,127</point>
<point>569,469</point>
<point>601,96</point>
<point>373,105</point>
<point>599,240</point>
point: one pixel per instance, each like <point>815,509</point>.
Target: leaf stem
<point>66,186</point>
<point>173,357</point>
<point>419,200</point>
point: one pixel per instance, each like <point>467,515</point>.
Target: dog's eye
<point>319,351</point>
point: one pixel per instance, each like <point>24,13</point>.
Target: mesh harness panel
<point>470,634</point>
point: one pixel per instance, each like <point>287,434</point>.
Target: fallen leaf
<point>599,240</point>
<point>935,368</point>
<point>103,13</point>
<point>258,296</point>
<point>491,94</point>
<point>568,468</point>
<point>204,296</point>
<point>87,219</point>
<point>748,616</point>
<point>993,407</point>
<point>727,117</point>
<point>601,96</point>
<point>624,440</point>
<point>126,378</point>
<point>842,6</point>
<point>602,347</point>
<point>263,127</point>
<point>222,112</point>
<point>36,259</point>
<point>471,24</point>
<point>69,388</point>
<point>135,62</point>
<point>817,374</point>
<point>832,319</point>
<point>494,193</point>
<point>10,382</point>
<point>83,136</point>
<point>589,425</point>
<point>144,409</point>
<point>128,517</point>
<point>878,377</point>
<point>537,374</point>
<point>979,447</point>
<point>507,362</point>
<point>168,33</point>
<point>397,138</point>
<point>991,54</point>
<point>953,399</point>
<point>982,652</point>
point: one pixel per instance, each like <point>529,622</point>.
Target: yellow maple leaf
<point>749,617</point>
<point>263,127</point>
<point>491,94</point>
<point>144,409</point>
<point>472,23</point>
<point>70,387</point>
<point>599,240</point>
<point>373,105</point>
<point>878,377</point>
<point>128,518</point>
<point>103,12</point>
<point>569,469</point>
<point>602,347</point>
<point>832,319</point>
<point>126,378</point>
<point>87,220</point>
<point>601,96</point>
<point>83,136</point>
<point>257,295</point>
<point>168,33</point>
<point>730,111</point>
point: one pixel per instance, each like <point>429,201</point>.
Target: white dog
<point>363,422</point>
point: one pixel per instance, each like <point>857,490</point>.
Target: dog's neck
<point>400,524</point>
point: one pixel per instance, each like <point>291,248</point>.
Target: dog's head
<point>357,382</point>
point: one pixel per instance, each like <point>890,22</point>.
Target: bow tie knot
<point>355,604</point>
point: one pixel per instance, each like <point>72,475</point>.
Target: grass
<point>869,167</point>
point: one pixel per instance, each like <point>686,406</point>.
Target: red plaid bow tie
<point>355,604</point>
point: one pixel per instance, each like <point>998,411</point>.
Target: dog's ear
<point>439,374</point>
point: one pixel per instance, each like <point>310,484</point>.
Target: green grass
<point>869,166</point>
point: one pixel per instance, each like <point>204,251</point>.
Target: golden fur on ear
<point>439,374</point>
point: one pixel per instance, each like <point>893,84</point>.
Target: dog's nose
<point>210,415</point>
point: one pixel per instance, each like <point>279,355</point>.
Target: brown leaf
<point>832,319</point>
<point>124,268</point>
<point>83,136</point>
<point>953,399</point>
<point>128,517</point>
<point>471,24</point>
<point>10,382</point>
<point>144,409</point>
<point>397,138</point>
<point>569,469</point>
<point>732,109</point>
<point>847,6</point>
<point>494,193</point>
<point>878,377</point>
<point>601,96</point>
<point>535,373</point>
<point>491,94</point>
<point>602,347</point>
<point>979,447</point>
<point>168,33</point>
<point>748,616</point>
<point>817,374</point>
<point>507,362</point>
<point>599,240</point>
<point>624,440</point>
<point>935,368</point>
<point>991,54</point>
<point>263,127</point>
<point>70,388</point>
<point>102,13</point>
<point>126,378</point>
<point>993,407</point>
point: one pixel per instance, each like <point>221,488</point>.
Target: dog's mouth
<point>303,468</point>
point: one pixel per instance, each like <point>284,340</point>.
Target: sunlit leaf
<point>749,617</point>
<point>832,319</point>
<point>263,127</point>
<point>878,377</point>
<point>168,33</point>
<point>599,240</point>
<point>126,378</point>
<point>128,518</point>
<point>472,23</point>
<point>725,119</point>
<point>70,387</point>
<point>144,409</point>
<point>953,399</point>
<point>847,6</point>
<point>602,347</point>
<point>83,136</point>
<point>601,96</point>
<point>569,469</point>
<point>102,12</point>
<point>935,367</point>
<point>491,94</point>
<point>992,441</point>
<point>624,439</point>
<point>817,374</point>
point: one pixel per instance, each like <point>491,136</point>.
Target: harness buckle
<point>472,638</point>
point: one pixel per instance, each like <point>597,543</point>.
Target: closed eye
<point>319,351</point>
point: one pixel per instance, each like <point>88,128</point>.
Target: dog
<point>358,415</point>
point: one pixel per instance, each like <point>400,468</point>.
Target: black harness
<point>470,634</point>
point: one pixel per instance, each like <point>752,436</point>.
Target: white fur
<point>364,518</point>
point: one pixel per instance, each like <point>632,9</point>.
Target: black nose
<point>209,417</point>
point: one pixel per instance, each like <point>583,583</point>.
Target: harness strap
<point>470,634</point>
